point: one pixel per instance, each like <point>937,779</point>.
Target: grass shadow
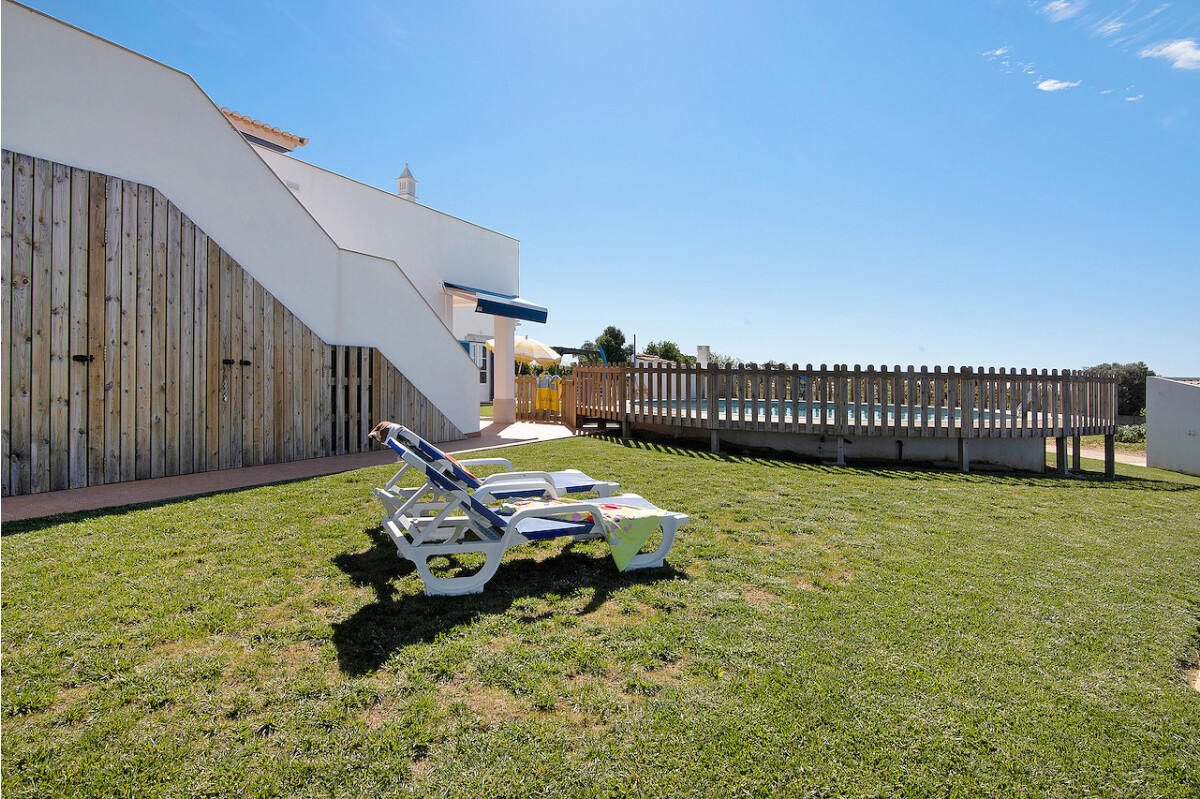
<point>367,639</point>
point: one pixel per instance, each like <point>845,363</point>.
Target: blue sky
<point>953,182</point>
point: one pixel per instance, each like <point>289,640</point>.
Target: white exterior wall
<point>431,247</point>
<point>71,97</point>
<point>467,322</point>
<point>1172,425</point>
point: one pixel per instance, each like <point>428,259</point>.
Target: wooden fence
<point>532,408</point>
<point>135,347</point>
<point>964,403</point>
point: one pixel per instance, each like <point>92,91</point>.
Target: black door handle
<point>83,358</point>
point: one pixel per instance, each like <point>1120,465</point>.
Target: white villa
<point>159,249</point>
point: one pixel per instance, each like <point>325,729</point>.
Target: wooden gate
<point>135,347</point>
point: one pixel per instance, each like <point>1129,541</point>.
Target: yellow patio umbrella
<point>529,350</point>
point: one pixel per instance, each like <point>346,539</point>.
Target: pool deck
<point>136,492</point>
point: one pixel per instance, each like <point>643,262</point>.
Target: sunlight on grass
<point>823,631</point>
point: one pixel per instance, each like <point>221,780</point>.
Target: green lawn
<point>485,410</point>
<point>818,632</point>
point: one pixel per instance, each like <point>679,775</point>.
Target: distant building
<point>1173,424</point>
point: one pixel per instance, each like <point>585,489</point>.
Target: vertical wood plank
<point>187,332</point>
<point>60,328</point>
<point>6,278</point>
<point>364,410</point>
<point>282,342</point>
<point>246,369</point>
<point>237,279</point>
<point>938,396</point>
<point>200,354</point>
<point>114,212</point>
<point>284,390</point>
<point>145,339</point>
<point>225,459</point>
<point>128,356</point>
<point>376,387</point>
<point>326,399</point>
<point>158,338</point>
<point>339,400</point>
<point>171,367</point>
<point>214,336</point>
<point>40,295</point>
<point>268,375</point>
<point>306,397</point>
<point>258,368</point>
<point>96,341</point>
<point>21,309</point>
<point>296,391</point>
<point>352,365</point>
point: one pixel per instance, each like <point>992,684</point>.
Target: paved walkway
<point>1121,456</point>
<point>132,493</point>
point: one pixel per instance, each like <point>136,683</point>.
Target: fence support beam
<point>715,444</point>
<point>964,459</point>
<point>1075,454</point>
<point>1110,456</point>
<point>1060,454</point>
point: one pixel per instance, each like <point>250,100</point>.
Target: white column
<point>504,384</point>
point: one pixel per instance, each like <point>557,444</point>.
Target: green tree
<point>1131,385</point>
<point>612,341</point>
<point>668,350</point>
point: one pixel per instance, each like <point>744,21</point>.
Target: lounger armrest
<point>535,487</point>
<point>557,509</point>
<point>507,464</point>
<point>504,477</point>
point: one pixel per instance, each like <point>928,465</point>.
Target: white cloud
<point>999,51</point>
<point>1058,10</point>
<point>1057,85</point>
<point>1182,53</point>
<point>1108,29</point>
<point>1106,91</point>
<point>1134,99</point>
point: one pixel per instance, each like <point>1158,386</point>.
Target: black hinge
<point>245,362</point>
<point>83,358</point>
<point>228,361</point>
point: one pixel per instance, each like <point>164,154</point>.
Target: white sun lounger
<point>499,486</point>
<point>467,525</point>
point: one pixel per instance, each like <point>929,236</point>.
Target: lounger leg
<point>653,560</point>
<point>457,586</point>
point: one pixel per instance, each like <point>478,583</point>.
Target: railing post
<point>569,409</point>
<point>623,400</point>
<point>840,400</point>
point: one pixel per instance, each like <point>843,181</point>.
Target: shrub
<point>1131,434</point>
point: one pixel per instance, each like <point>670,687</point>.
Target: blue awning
<point>508,305</point>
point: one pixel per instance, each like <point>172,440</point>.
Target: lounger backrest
<point>432,454</point>
<point>433,472</point>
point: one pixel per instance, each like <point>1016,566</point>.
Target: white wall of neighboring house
<point>430,246</point>
<point>71,97</point>
<point>1173,425</point>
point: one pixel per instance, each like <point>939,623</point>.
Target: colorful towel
<point>626,529</point>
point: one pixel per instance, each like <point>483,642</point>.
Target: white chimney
<point>406,185</point>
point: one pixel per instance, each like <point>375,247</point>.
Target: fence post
<point>713,408</point>
<point>569,409</point>
<point>622,401</point>
<point>840,400</point>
